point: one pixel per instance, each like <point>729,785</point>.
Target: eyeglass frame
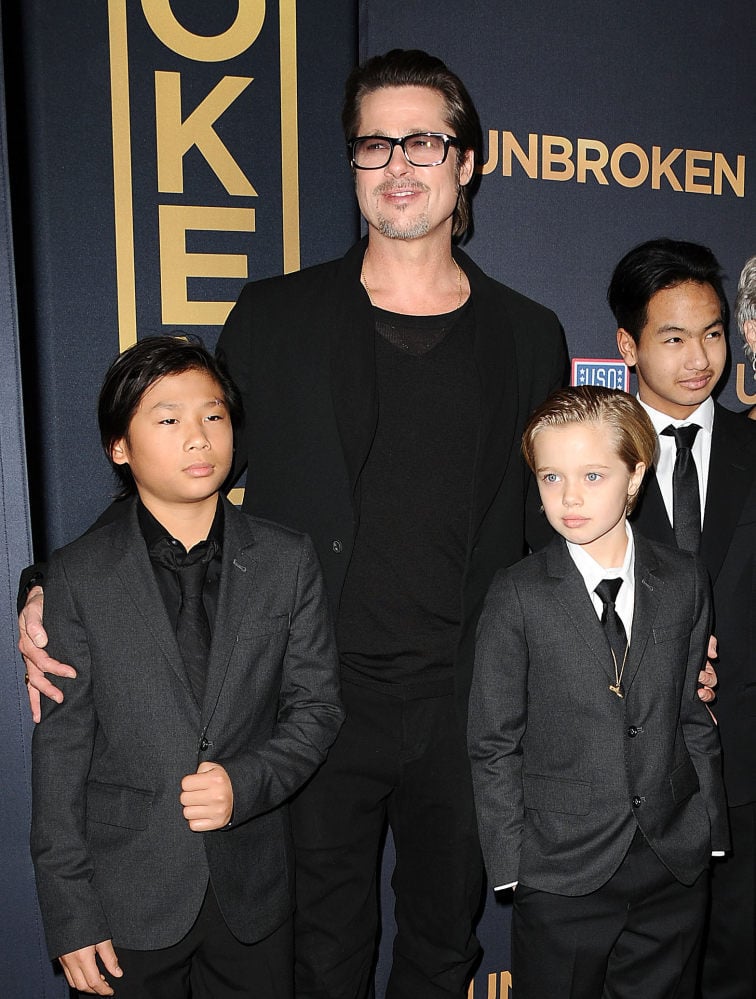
<point>448,140</point>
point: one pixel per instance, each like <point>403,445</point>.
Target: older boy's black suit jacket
<point>301,348</point>
<point>728,550</point>
<point>115,857</point>
<point>563,770</point>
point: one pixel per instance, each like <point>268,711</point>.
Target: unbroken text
<point>555,157</point>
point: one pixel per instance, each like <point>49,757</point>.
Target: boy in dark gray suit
<point>207,694</point>
<point>596,767</point>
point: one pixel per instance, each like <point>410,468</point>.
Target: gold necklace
<point>616,687</point>
<point>363,280</point>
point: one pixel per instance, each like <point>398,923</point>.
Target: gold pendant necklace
<point>363,279</point>
<point>616,687</point>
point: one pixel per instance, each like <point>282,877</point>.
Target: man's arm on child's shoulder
<point>309,712</point>
<point>496,723</point>
<point>83,973</point>
<point>32,637</point>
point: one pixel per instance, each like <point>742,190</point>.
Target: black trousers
<point>729,961</point>
<point>636,937</point>
<point>209,963</point>
<point>403,762</point>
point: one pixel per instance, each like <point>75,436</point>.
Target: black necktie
<point>192,626</point>
<point>607,590</point>
<point>686,499</point>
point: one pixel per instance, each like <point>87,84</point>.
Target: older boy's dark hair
<point>621,414</point>
<point>653,266</point>
<point>415,68</point>
<point>135,371</point>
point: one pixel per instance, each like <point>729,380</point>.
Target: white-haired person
<point>745,314</point>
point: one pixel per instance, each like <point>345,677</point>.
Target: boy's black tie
<point>616,635</point>
<point>686,499</point>
<point>192,626</point>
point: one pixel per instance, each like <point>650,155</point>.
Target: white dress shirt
<point>665,462</point>
<point>593,573</point>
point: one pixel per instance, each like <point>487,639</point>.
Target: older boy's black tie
<point>616,635</point>
<point>686,499</point>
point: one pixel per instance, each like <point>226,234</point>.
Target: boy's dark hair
<point>415,68</point>
<point>653,266</point>
<point>135,371</point>
<point>621,414</point>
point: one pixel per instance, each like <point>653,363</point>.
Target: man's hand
<point>32,639</point>
<point>83,973</point>
<point>707,677</point>
<point>207,797</point>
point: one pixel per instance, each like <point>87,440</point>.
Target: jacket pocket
<point>684,782</point>
<point>263,626</point>
<point>551,794</point>
<point>673,632</point>
<point>118,805</point>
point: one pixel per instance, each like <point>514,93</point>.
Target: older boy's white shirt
<point>665,463</point>
<point>592,573</point>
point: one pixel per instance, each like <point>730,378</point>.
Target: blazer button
<point>636,802</point>
<point>203,744</point>
<point>632,731</point>
<point>337,546</point>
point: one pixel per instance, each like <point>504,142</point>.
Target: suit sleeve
<point>496,725</point>
<point>699,731</point>
<point>62,747</point>
<point>309,712</point>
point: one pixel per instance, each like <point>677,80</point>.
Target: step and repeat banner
<point>163,152</point>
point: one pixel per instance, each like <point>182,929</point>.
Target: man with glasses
<point>386,393</point>
<point>385,397</point>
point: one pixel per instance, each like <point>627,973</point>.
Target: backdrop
<point>162,152</point>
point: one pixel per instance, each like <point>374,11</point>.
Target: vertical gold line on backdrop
<point>287,12</point>
<point>122,190</point>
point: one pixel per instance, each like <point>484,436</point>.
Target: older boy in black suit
<point>668,300</point>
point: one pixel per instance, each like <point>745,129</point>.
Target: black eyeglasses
<point>421,149</point>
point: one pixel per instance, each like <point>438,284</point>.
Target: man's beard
<point>393,227</point>
<point>389,228</point>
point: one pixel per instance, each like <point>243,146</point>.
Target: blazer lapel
<point>138,579</point>
<point>648,593</point>
<point>237,581</point>
<point>495,352</point>
<point>731,475</point>
<point>573,596</point>
<point>352,358</point>
<point>651,514</point>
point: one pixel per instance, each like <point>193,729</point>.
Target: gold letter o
<point>206,48</point>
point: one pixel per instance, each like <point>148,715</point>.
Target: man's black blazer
<point>301,348</point>
<point>728,550</point>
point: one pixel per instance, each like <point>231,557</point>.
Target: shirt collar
<point>154,533</point>
<point>703,416</point>
<point>593,573</point>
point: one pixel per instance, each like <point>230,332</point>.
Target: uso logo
<point>608,373</point>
